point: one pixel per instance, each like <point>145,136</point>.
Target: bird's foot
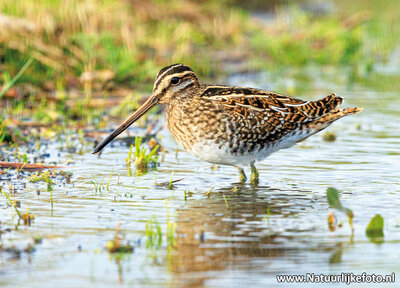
<point>254,175</point>
<point>242,176</point>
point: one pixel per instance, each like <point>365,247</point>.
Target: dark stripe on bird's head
<point>174,68</point>
<point>169,70</point>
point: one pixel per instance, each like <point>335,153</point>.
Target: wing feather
<point>279,114</point>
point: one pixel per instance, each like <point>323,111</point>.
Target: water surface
<point>239,234</point>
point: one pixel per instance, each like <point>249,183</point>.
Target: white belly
<point>210,151</point>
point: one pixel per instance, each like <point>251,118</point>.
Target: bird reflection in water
<point>235,225</point>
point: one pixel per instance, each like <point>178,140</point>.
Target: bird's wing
<point>270,106</point>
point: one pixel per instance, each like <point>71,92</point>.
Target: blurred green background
<point>83,53</point>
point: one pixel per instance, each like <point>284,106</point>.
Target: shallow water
<point>238,235</point>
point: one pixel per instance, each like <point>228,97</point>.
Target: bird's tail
<point>334,115</point>
<point>319,124</point>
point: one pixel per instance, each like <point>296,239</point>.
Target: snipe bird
<point>233,125</point>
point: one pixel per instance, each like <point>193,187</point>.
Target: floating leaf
<point>375,227</point>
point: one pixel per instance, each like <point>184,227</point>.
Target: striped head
<point>172,83</point>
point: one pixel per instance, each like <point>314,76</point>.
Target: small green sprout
<point>109,180</point>
<point>153,233</point>
<point>11,203</point>
<point>333,200</point>
<point>171,228</point>
<point>170,186</point>
<point>143,161</point>
<point>226,201</point>
<point>98,186</point>
<point>187,194</point>
<point>208,193</point>
<point>42,176</point>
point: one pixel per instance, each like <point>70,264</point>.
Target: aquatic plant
<point>374,229</point>
<point>226,201</point>
<point>334,201</point>
<point>98,186</point>
<point>44,176</point>
<point>143,161</point>
<point>115,245</point>
<point>109,180</point>
<point>208,193</point>
<point>170,186</point>
<point>332,222</point>
<point>153,233</point>
<point>171,228</point>
<point>187,194</point>
<point>11,203</point>
<point>28,217</point>
<point>329,137</point>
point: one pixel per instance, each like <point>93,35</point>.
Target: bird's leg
<point>254,174</point>
<point>243,177</point>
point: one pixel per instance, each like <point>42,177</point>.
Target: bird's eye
<point>174,80</point>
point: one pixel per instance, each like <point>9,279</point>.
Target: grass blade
<point>11,83</point>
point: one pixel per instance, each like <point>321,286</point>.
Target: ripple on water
<point>241,234</point>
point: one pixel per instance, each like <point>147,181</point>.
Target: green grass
<point>83,53</point>
<point>8,82</point>
<point>299,38</point>
<point>110,42</point>
<point>153,233</point>
<point>11,203</point>
<point>42,176</point>
<point>98,186</point>
<point>76,37</point>
<point>143,161</point>
<point>3,131</point>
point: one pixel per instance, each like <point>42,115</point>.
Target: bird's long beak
<point>128,122</point>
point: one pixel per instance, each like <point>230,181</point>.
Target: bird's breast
<point>213,137</point>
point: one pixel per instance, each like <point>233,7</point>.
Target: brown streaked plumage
<point>233,125</point>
